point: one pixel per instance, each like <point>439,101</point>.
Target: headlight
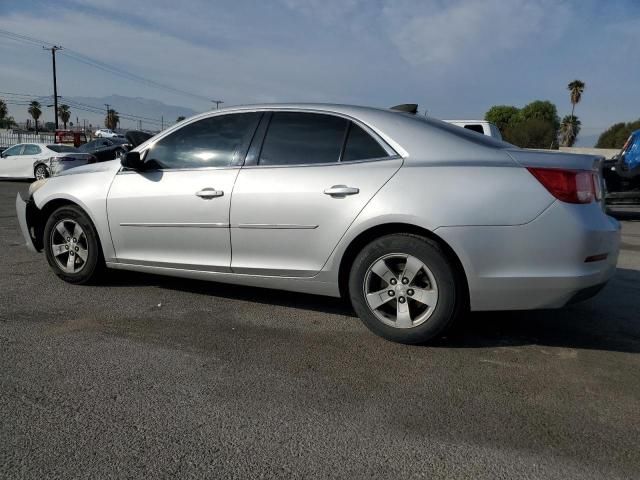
<point>36,185</point>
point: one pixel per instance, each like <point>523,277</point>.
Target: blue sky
<point>455,58</point>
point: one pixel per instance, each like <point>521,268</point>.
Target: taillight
<point>571,186</point>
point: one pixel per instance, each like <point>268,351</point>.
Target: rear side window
<point>475,128</point>
<point>295,138</point>
<point>361,146</point>
<point>31,150</point>
<point>218,141</point>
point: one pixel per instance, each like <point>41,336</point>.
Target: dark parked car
<point>106,148</point>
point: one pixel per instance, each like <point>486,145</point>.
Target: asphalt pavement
<point>152,377</point>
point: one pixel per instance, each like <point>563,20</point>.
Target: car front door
<point>300,189</point>
<point>175,213</point>
<point>10,161</point>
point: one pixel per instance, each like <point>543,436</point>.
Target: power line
<point>81,58</point>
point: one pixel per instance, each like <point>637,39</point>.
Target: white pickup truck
<point>480,126</point>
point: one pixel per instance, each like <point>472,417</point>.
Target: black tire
<point>450,298</point>
<point>90,269</point>
<point>42,170</point>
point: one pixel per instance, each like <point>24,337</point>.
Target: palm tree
<point>576,89</point>
<point>64,113</point>
<point>112,119</point>
<point>3,109</point>
<point>35,112</point>
<point>569,129</point>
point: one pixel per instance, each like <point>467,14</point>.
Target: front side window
<point>31,150</point>
<point>361,146</point>
<point>295,138</point>
<point>10,152</point>
<point>218,141</point>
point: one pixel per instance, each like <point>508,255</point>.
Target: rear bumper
<point>21,211</point>
<point>540,264</point>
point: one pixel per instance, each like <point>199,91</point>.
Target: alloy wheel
<point>400,290</point>
<point>69,246</point>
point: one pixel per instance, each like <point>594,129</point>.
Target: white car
<point>480,126</point>
<point>23,159</point>
<point>106,133</point>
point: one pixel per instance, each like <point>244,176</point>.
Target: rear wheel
<point>404,288</point>
<point>72,247</point>
<point>41,172</point>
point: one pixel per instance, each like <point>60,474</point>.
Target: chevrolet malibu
<point>414,220</point>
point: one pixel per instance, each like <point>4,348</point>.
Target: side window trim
<point>344,141</point>
<point>255,148</point>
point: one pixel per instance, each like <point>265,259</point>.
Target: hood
<point>111,165</point>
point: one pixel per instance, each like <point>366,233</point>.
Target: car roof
<point>408,134</point>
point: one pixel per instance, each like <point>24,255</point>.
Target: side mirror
<point>132,161</point>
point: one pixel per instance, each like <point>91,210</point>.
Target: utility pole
<point>54,49</point>
<point>161,123</point>
<point>218,103</point>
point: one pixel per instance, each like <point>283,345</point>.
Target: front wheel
<point>71,245</point>
<point>41,172</point>
<point>404,288</point>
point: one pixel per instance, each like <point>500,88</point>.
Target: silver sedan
<point>416,221</point>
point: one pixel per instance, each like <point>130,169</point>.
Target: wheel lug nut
<point>68,239</point>
<point>391,293</point>
<point>66,247</point>
<point>393,281</point>
<point>405,280</point>
<point>401,299</point>
<point>75,240</point>
<point>71,253</point>
<point>410,292</point>
<point>77,249</point>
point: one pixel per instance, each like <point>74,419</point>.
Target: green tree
<point>112,119</point>
<point>532,133</point>
<point>569,130</point>
<point>35,111</point>
<point>3,110</point>
<point>64,114</point>
<point>180,118</point>
<point>617,134</point>
<point>501,116</point>
<point>540,110</point>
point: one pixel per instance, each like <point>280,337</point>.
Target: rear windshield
<point>62,148</point>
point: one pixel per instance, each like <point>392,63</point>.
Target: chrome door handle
<point>341,191</point>
<point>209,193</point>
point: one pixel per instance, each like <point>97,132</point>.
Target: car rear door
<point>304,182</point>
<point>175,214</point>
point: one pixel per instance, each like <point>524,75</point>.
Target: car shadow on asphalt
<point>610,321</point>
